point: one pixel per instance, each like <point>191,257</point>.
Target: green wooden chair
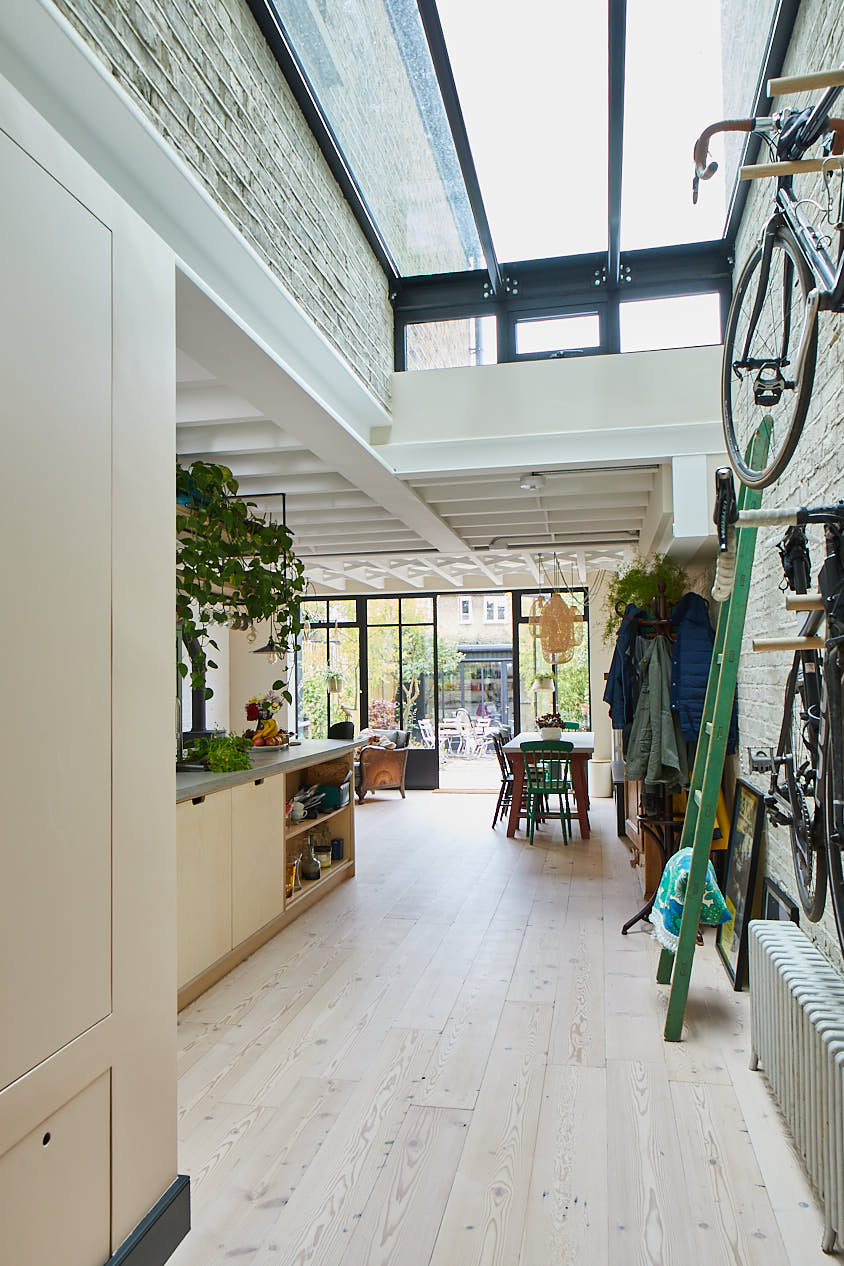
<point>547,773</point>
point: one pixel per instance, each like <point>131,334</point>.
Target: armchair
<point>381,769</point>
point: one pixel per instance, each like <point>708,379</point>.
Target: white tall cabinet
<point>87,898</point>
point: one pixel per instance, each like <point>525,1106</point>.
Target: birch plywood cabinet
<point>204,871</point>
<point>257,824</point>
<point>233,843</point>
<point>87,903</point>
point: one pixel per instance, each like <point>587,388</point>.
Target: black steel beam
<point>617,39</point>
<point>273,30</point>
<point>549,281</point>
<point>454,113</point>
<point>779,38</point>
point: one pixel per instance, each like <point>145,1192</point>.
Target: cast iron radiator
<point>797,1035</point>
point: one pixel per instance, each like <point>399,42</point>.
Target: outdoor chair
<point>426,730</point>
<point>505,794</point>
<point>548,773</point>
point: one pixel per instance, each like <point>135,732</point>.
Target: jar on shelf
<point>322,852</point>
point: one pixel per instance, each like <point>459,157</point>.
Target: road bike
<point>771,338</point>
<point>807,766</point>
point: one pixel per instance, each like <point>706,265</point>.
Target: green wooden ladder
<point>699,821</point>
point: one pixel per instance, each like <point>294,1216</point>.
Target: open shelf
<point>311,823</point>
<point>309,885</point>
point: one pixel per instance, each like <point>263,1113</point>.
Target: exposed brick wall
<point>203,75</point>
<point>815,474</point>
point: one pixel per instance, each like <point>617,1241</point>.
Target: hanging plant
<point>233,566</point>
<point>639,583</point>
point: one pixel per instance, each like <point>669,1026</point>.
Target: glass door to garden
<point>328,667</point>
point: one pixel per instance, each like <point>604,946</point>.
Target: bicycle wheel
<point>759,349</point>
<point>834,788</point>
<point>799,739</point>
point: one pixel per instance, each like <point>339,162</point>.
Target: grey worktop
<point>190,784</point>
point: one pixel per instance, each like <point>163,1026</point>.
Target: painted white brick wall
<point>815,474</point>
<point>204,76</point>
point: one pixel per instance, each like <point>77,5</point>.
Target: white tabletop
<point>582,741</point>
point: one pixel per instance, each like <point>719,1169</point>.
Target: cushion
<point>387,738</point>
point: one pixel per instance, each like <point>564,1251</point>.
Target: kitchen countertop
<point>193,783</point>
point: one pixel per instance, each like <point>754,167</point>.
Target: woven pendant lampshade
<point>534,618</point>
<point>556,630</point>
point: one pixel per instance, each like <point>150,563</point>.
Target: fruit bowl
<point>260,753</point>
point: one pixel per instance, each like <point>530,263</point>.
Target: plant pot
<point>543,683</point>
<point>551,733</point>
<point>334,683</point>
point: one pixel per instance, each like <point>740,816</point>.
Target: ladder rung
<point>788,643</point>
<point>794,167</point>
<point>806,83</point>
<point>804,602</point>
<point>719,659</point>
<point>708,727</point>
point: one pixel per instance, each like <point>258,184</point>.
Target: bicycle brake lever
<point>726,507</point>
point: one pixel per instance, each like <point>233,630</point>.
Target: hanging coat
<point>691,656</point>
<point>622,689</point>
<point>656,750</point>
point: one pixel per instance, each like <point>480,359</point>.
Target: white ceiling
<point>496,533</point>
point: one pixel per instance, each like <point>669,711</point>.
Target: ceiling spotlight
<point>532,482</point>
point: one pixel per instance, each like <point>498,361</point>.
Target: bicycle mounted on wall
<point>770,344</point>
<point>810,752</point>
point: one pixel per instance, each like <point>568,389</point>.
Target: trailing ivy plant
<point>639,583</point>
<point>232,564</point>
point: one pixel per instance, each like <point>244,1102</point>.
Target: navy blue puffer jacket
<point>692,652</point>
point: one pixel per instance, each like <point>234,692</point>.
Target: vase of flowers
<point>550,726</point>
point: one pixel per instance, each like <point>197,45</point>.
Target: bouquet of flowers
<point>262,707</point>
<point>550,721</point>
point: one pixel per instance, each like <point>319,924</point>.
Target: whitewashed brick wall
<point>816,473</point>
<point>204,76</point>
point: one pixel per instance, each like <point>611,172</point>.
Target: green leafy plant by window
<point>233,564</point>
<point>221,753</point>
<point>639,583</point>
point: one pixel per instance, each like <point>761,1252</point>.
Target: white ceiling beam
<point>213,402</point>
<point>580,562</point>
<point>477,486</point>
<point>592,447</point>
<point>363,576</point>
<point>252,437</point>
<point>299,520</point>
<point>211,336</point>
<point>513,509</point>
<point>532,566</point>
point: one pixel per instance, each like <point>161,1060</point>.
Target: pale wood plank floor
<point>456,1060</point>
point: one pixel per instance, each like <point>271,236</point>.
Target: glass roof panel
<point>370,69</point>
<point>685,69</point>
<point>532,83</point>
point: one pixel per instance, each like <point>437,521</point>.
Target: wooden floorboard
<point>457,1059</point>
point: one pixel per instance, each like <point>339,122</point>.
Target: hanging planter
<point>334,683</point>
<point>233,566</point>
<point>542,681</point>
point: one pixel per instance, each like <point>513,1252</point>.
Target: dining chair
<point>505,793</point>
<point>547,773</point>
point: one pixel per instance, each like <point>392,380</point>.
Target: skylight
<point>371,72</point>
<point>532,82</point>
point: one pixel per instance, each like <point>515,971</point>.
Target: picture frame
<point>740,879</point>
<point>777,904</point>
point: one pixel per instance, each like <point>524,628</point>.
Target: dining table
<point>583,746</point>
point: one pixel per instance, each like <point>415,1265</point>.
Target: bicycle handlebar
<point>705,169</point>
<point>727,517</point>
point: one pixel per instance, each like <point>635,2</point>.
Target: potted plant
<point>333,682</point>
<point>639,583</point>
<point>234,566</point>
<point>542,681</point>
<point>550,726</point>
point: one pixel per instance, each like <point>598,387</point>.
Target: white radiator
<point>797,1035</point>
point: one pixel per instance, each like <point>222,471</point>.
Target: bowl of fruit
<point>266,739</point>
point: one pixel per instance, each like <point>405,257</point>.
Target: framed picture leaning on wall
<point>776,903</point>
<point>740,881</point>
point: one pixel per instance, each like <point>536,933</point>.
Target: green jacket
<point>656,749</point>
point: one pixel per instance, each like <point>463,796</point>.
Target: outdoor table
<point>583,745</point>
